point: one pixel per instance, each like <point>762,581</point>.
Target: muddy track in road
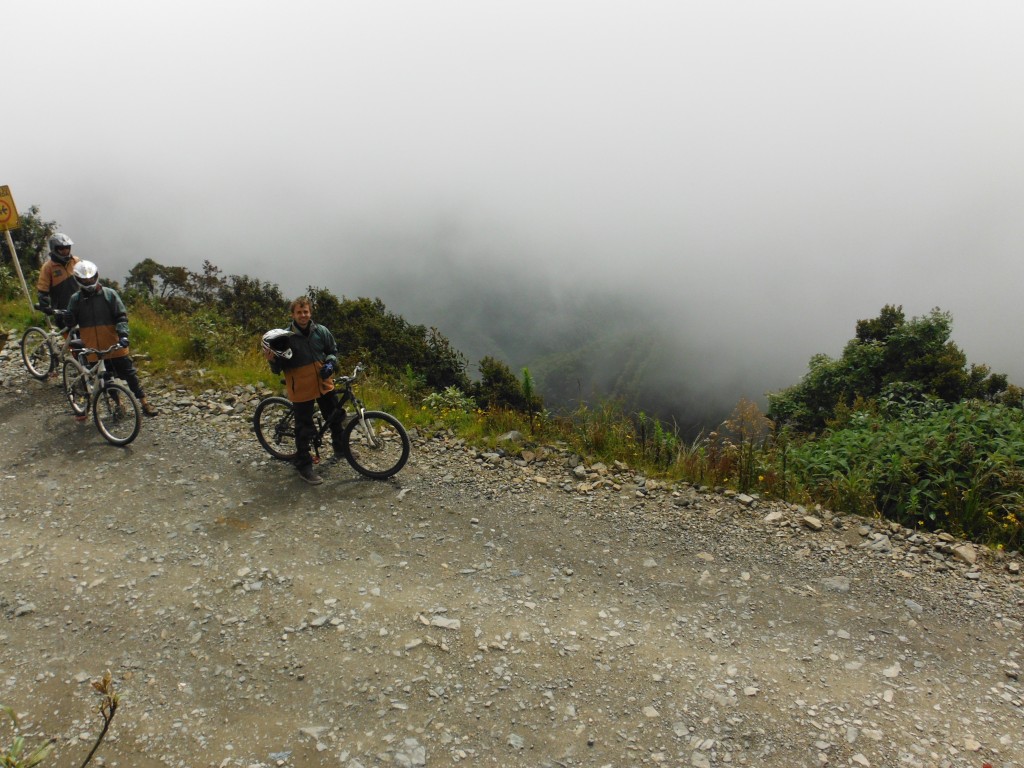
<point>472,611</point>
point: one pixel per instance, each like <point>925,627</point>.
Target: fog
<point>749,179</point>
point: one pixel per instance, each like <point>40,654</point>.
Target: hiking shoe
<point>149,410</point>
<point>306,473</point>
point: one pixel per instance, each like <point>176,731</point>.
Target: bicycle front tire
<point>377,445</point>
<point>117,414</point>
<point>76,387</point>
<point>37,353</point>
<point>274,424</point>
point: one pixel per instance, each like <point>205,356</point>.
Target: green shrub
<point>9,285</point>
<point>214,339</point>
<point>927,464</point>
<point>658,445</point>
<point>451,399</point>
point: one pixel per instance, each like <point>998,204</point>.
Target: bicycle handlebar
<point>355,373</point>
<point>50,311</point>
<point>101,352</point>
<point>60,314</point>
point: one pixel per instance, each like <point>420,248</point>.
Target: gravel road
<point>475,610</point>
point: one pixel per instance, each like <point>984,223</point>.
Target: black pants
<point>124,368</point>
<point>304,429</point>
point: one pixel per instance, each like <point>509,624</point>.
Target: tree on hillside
<point>889,355</point>
<point>254,305</point>
<point>364,328</point>
<point>30,241</point>
<point>206,287</point>
<point>153,281</point>
<point>499,388</point>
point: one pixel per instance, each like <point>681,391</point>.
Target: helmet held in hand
<point>276,341</point>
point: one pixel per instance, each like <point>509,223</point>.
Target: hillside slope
<point>474,610</point>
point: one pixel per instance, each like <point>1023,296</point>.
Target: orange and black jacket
<point>309,353</point>
<point>56,285</point>
<point>101,318</point>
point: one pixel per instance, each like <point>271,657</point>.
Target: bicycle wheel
<point>274,423</point>
<point>117,414</point>
<point>377,445</point>
<point>37,352</point>
<point>76,387</point>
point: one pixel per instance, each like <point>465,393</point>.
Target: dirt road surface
<point>475,610</point>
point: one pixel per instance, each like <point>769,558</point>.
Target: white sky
<point>767,172</point>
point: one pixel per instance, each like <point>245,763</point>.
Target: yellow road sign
<point>8,213</point>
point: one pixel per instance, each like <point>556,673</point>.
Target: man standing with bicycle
<point>55,285</point>
<point>307,355</point>
<point>103,321</point>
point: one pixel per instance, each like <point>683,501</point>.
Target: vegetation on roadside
<point>900,426</point>
<point>16,756</point>
<point>889,358</point>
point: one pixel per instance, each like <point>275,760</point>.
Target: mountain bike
<point>115,410</point>
<point>376,444</point>
<point>41,348</point>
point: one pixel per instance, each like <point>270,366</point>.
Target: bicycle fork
<point>366,428</point>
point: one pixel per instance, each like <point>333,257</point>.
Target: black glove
<point>44,307</point>
<point>327,370</point>
<point>123,340</point>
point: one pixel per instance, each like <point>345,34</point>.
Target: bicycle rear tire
<point>76,387</point>
<point>377,446</point>
<point>274,424</point>
<point>117,414</point>
<point>37,353</point>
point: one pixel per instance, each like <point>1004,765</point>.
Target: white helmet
<point>87,275</point>
<point>276,341</point>
<point>60,240</point>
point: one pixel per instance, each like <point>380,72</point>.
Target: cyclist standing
<point>103,322</point>
<point>55,285</point>
<point>307,355</point>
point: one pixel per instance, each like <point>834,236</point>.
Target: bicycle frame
<point>343,388</point>
<point>95,374</point>
<point>92,386</point>
<point>63,347</point>
<point>374,442</point>
<point>60,337</point>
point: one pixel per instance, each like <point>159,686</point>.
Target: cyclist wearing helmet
<point>103,321</point>
<point>55,285</point>
<point>307,355</point>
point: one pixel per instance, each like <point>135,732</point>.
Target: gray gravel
<point>478,609</point>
